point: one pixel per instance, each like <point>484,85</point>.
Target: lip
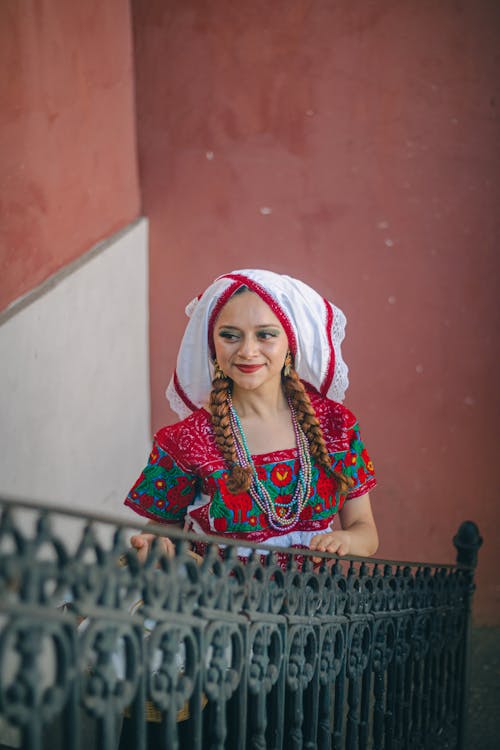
<point>249,368</point>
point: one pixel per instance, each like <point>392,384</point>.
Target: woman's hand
<point>142,543</point>
<point>334,541</point>
<point>358,535</point>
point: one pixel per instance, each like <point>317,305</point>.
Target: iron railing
<point>99,651</point>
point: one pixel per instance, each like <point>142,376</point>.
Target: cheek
<point>222,351</point>
<point>218,352</point>
<point>280,352</point>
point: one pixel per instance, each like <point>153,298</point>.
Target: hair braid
<point>240,478</point>
<point>309,422</point>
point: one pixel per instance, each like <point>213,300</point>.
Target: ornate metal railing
<point>99,651</point>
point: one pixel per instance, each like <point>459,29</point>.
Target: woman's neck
<point>265,420</point>
<point>261,403</point>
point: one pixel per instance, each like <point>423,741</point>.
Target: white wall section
<point>74,381</point>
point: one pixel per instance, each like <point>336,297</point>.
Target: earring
<point>287,367</point>
<point>218,374</point>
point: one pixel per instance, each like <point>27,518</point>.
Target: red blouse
<point>185,478</point>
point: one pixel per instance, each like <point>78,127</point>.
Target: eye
<point>265,335</point>
<point>228,335</point>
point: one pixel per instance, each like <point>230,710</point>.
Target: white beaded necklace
<point>281,515</point>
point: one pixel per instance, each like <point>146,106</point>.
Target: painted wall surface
<point>355,145</point>
<point>68,174</point>
<point>74,427</point>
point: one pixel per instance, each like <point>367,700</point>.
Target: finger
<point>160,543</point>
<point>334,548</point>
<point>327,546</point>
<point>195,556</point>
<point>169,547</point>
<point>142,553</point>
<point>137,541</point>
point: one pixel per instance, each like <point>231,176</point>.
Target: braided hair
<point>240,478</point>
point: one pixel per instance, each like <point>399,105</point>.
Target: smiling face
<point>250,342</point>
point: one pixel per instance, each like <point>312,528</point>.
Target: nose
<point>248,347</point>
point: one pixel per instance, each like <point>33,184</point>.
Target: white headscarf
<point>314,326</point>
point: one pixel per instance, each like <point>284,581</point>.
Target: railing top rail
<point>178,534</point>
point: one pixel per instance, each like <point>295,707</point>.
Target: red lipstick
<point>249,368</point>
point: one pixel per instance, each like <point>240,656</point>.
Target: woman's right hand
<point>142,543</point>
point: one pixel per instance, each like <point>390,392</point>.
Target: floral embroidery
<point>220,524</point>
<point>166,462</point>
<point>281,475</point>
<point>307,513</point>
<point>351,459</point>
<point>368,463</point>
<point>161,493</point>
<point>262,473</point>
<point>146,501</point>
<point>239,505</point>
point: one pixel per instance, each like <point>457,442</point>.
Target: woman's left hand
<point>358,535</point>
<point>338,542</point>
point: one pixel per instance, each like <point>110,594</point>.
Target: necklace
<point>281,515</point>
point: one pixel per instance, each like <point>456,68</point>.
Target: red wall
<point>68,174</point>
<point>371,132</point>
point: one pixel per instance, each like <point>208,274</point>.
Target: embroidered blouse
<point>185,480</point>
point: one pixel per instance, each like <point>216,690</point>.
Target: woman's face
<point>250,342</point>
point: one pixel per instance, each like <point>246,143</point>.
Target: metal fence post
<point>467,541</point>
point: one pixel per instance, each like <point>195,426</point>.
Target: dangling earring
<point>287,368</point>
<point>218,374</point>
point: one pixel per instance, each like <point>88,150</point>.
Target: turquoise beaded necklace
<point>281,515</point>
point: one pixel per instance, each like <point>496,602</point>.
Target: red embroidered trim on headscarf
<point>182,394</point>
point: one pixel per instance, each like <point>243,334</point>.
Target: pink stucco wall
<point>68,174</point>
<point>354,145</point>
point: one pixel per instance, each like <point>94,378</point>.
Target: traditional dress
<point>185,480</point>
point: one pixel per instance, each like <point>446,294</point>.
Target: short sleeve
<point>356,464</point>
<point>163,491</point>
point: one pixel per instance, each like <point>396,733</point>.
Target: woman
<point>265,451</point>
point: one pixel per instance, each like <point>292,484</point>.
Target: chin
<point>254,382</point>
<point>247,384</point>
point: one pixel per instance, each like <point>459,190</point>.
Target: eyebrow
<point>263,325</point>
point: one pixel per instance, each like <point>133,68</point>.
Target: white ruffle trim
<point>176,402</point>
<point>340,382</point>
